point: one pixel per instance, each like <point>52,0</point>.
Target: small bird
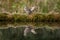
<point>29,29</point>
<point>28,10</point>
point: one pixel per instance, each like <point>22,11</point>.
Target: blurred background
<point>17,6</point>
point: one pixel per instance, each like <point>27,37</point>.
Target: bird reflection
<point>29,29</point>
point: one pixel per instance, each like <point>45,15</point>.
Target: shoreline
<point>30,18</point>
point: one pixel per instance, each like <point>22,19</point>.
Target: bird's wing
<point>33,31</point>
<point>26,31</point>
<point>32,9</point>
<point>26,10</point>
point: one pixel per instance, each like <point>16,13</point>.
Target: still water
<point>17,33</point>
<point>23,24</point>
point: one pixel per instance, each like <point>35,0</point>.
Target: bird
<point>29,29</point>
<point>29,10</point>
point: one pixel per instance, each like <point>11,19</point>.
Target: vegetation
<point>30,18</point>
<point>43,6</point>
<point>47,10</point>
<point>13,11</point>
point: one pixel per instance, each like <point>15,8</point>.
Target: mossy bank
<point>30,18</point>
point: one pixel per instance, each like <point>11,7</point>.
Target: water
<point>17,33</point>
